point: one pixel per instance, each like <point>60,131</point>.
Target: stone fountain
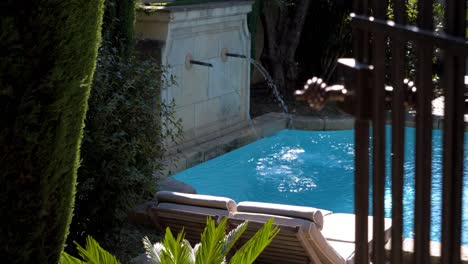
<point>212,91</point>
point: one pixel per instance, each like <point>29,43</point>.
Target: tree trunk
<point>283,28</point>
<point>47,58</point>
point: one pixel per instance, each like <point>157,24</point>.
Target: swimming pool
<point>314,168</point>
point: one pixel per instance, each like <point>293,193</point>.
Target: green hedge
<point>47,59</point>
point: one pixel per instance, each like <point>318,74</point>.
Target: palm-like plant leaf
<point>191,251</point>
<point>175,250</point>
<point>233,236</point>
<point>65,258</point>
<point>153,252</point>
<point>95,254</point>
<point>214,245</point>
<point>252,249</point>
<point>210,250</point>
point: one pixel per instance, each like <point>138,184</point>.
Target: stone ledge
<point>208,5</point>
<point>169,184</point>
<point>308,123</point>
<point>194,141</point>
<point>198,153</point>
<point>178,13</point>
<point>139,215</point>
<point>408,251</point>
<point>437,121</point>
<point>341,123</point>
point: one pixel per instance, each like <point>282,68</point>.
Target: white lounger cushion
<point>197,200</point>
<point>309,213</point>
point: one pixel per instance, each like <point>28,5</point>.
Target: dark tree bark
<point>283,25</point>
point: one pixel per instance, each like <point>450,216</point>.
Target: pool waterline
<point>312,168</point>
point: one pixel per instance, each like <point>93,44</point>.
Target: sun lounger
<point>188,211</point>
<point>306,235</point>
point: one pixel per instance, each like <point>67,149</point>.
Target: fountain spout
<point>201,63</point>
<point>225,54</point>
<point>236,55</point>
<point>189,61</point>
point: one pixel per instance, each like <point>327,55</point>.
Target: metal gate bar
<point>398,133</point>
<point>361,177</point>
<point>453,81</point>
<point>378,136</point>
<point>407,32</point>
<point>422,212</point>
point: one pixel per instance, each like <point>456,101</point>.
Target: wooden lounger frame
<point>287,247</point>
<point>192,223</point>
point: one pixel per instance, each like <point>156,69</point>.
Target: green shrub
<point>47,60</point>
<point>410,56</point>
<point>127,127</point>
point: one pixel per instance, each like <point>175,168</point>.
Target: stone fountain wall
<point>211,101</point>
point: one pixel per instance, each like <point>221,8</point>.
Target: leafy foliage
<point>328,37</point>
<point>47,60</point>
<point>118,26</point>
<point>213,247</point>
<point>93,253</point>
<point>173,250</point>
<point>410,56</point>
<point>210,249</point>
<point>126,132</point>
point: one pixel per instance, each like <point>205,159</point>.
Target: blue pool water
<point>314,168</point>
